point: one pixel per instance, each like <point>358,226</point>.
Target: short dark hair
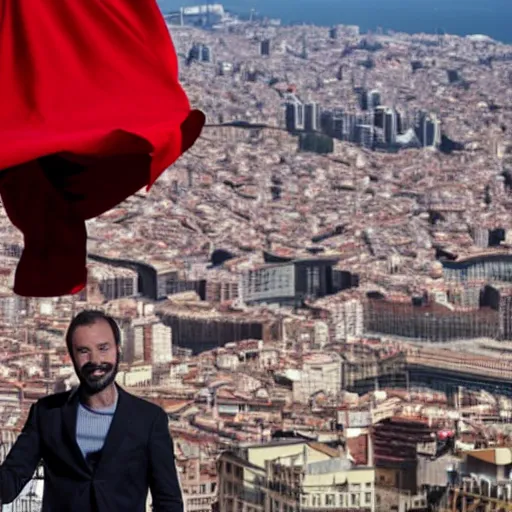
<point>90,317</point>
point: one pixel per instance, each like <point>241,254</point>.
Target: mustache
<point>89,368</point>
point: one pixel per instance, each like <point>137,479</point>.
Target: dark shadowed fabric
<point>91,111</point>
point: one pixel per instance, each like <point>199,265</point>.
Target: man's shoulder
<point>55,400</point>
<point>141,404</point>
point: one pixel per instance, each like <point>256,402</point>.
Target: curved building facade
<point>429,323</point>
<point>491,267</point>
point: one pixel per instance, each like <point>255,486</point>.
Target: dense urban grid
<point>319,293</point>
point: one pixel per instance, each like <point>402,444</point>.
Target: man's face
<point>95,356</point>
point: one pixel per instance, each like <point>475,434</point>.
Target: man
<point>101,447</point>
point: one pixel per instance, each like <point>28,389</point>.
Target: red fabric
<point>91,110</point>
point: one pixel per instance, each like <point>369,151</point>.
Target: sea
<point>461,17</point>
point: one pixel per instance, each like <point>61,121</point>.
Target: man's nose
<point>94,358</point>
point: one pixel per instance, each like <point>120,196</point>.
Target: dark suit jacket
<point>138,454</point>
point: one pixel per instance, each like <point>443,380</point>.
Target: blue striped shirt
<point>92,427</point>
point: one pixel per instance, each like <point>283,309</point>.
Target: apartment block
<point>293,475</point>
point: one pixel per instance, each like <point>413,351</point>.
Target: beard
<point>93,384</point>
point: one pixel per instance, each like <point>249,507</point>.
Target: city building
<point>288,283</point>
<point>265,47</point>
<point>395,444</point>
<point>221,289</point>
<point>369,100</point>
<point>199,327</point>
<point>499,297</point>
<point>429,322</point>
<point>206,54</point>
<point>293,475</point>
<point>136,375</point>
<point>350,122</point>
<point>320,372</point>
<point>365,135</point>
<point>10,306</point>
<point>390,126</point>
<point>225,68</point>
<point>198,484</point>
<point>205,15</point>
<point>483,481</point>
<point>111,282</point>
<point>327,123</point>
<point>295,117</point>
<point>200,53</point>
<point>374,99</point>
<point>155,339</point>
<point>485,266</point>
<point>345,317</point>
<point>312,117</point>
<point>428,130</point>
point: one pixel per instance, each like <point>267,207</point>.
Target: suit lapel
<point>119,426</point>
<point>69,414</point>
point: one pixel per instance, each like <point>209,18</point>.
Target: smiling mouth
<point>97,373</point>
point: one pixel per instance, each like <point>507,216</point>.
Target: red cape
<point>91,110</point>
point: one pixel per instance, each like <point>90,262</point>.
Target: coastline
<point>412,19</point>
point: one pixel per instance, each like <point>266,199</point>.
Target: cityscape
<point>318,293</point>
